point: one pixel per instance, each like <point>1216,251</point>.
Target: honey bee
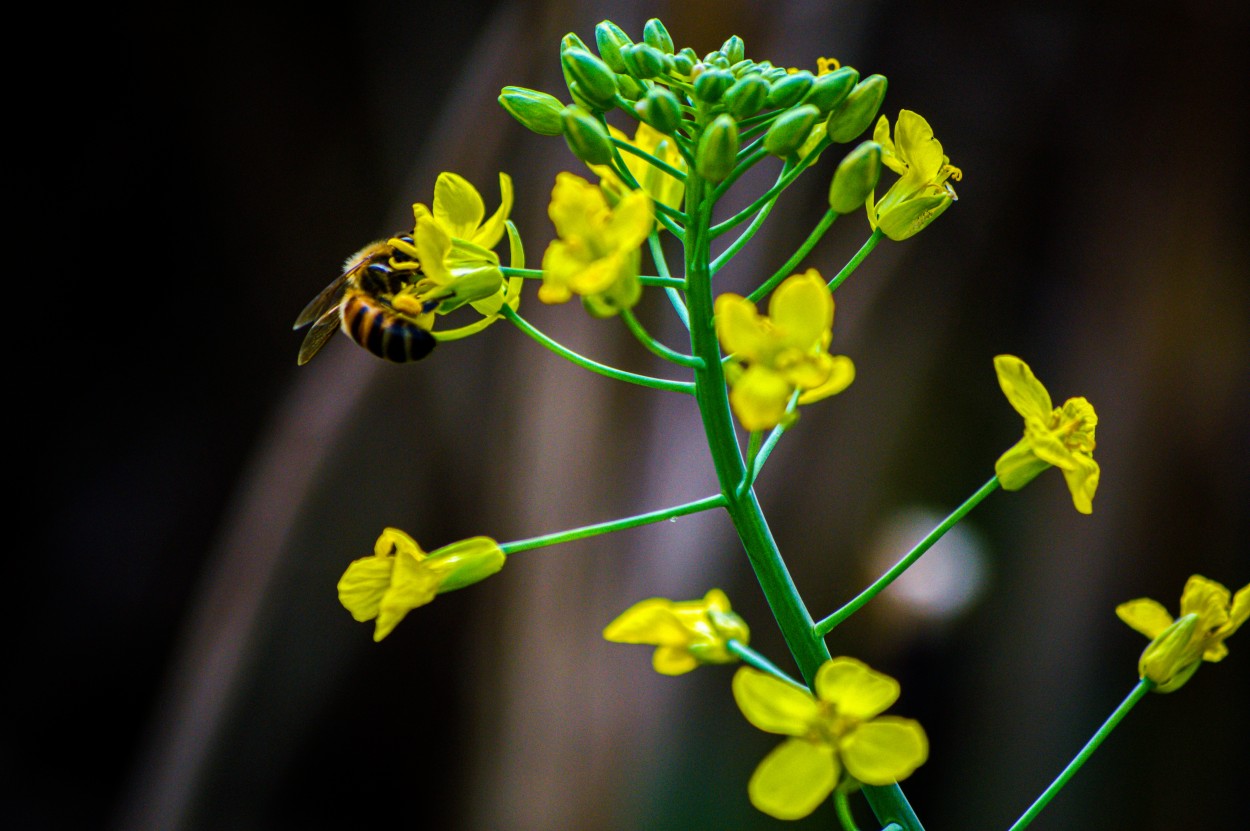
<point>361,302</point>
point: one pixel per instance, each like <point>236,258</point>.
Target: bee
<point>361,301</point>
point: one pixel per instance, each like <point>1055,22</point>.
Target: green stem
<point>679,175</point>
<point>746,163</point>
<point>661,265</point>
<point>654,345</point>
<point>786,270</point>
<point>664,281</point>
<point>663,214</point>
<point>594,366</point>
<point>793,619</point>
<point>843,808</point>
<point>788,174</point>
<point>827,625</point>
<point>752,658</point>
<point>863,252</point>
<point>1144,686</point>
<point>595,530</point>
<point>743,238</point>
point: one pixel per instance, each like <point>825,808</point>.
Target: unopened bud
<point>611,39</point>
<point>643,61</point>
<point>711,84</point>
<point>733,49</point>
<point>857,110</point>
<point>855,178</point>
<point>586,136</point>
<point>654,34</point>
<point>537,111</point>
<point>660,108</point>
<point>717,153</point>
<point>790,130</point>
<point>572,41</point>
<point>788,90</point>
<point>746,96</point>
<point>596,82</point>
<point>832,88</point>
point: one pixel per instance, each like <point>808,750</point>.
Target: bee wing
<point>318,334</point>
<point>320,305</point>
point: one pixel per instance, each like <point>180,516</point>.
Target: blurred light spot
<point>942,584</point>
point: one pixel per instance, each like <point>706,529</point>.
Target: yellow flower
<point>597,253</point>
<point>838,730</point>
<point>399,576</point>
<point>1059,436</point>
<point>923,192</point>
<point>660,186</point>
<point>452,244</point>
<point>1177,647</point>
<point>686,633</point>
<point>786,351</point>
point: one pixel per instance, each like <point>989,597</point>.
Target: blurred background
<point>180,656</point>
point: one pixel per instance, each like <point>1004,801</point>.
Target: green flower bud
<point>586,136</point>
<point>787,91</point>
<point>466,562</point>
<point>643,61</point>
<point>734,49</point>
<point>537,111</point>
<point>790,130</point>
<point>683,64</point>
<point>572,41</point>
<point>711,84</point>
<point>596,82</point>
<point>611,40</point>
<point>660,108</point>
<point>630,87</point>
<point>468,287</point>
<point>746,96</point>
<point>1172,658</point>
<point>655,35</point>
<point>689,53</point>
<point>717,59</point>
<point>738,67</point>
<point>855,178</point>
<point>717,152</point>
<point>856,112</point>
<point>832,88</point>
<point>910,217</point>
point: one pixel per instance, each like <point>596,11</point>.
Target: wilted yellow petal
<point>1023,390</point>
<point>1144,615</point>
<point>794,779</point>
<point>363,584</point>
<point>649,621</point>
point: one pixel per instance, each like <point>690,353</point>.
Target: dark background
<point>180,657</point>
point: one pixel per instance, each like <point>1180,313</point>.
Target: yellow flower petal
<point>772,705</point>
<point>491,232</point>
<point>884,750</point>
<point>739,327</point>
<point>363,584</point>
<point>794,779</point>
<point>1082,479</point>
<point>669,660</point>
<point>649,621</point>
<point>458,207</point>
<point>841,374</point>
<point>1144,615</point>
<point>802,310</point>
<point>855,689</point>
<point>759,398</point>
<point>1023,390</point>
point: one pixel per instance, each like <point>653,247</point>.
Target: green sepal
<point>788,90</point>
<point>910,217</point>
<point>831,89</point>
<point>586,136</point>
<point>747,96</point>
<point>572,41</point>
<point>654,34</point>
<point>660,108</point>
<point>596,81</point>
<point>711,84</point>
<point>856,112</point>
<point>611,39</point>
<point>717,153</point>
<point>537,111</point>
<point>734,49</point>
<point>631,88</point>
<point>790,130</point>
<point>740,68</point>
<point>855,178</point>
<point>643,61</point>
<point>466,562</point>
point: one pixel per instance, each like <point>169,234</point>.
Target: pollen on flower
<point>826,65</point>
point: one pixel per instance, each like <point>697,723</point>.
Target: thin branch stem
<point>1144,686</point>
<point>862,253</point>
<point>743,238</point>
<point>704,504</point>
<point>645,279</point>
<point>661,265</point>
<point>628,147</point>
<point>786,270</point>
<point>594,366</point>
<point>654,346</point>
<point>752,658</point>
<point>827,625</point>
